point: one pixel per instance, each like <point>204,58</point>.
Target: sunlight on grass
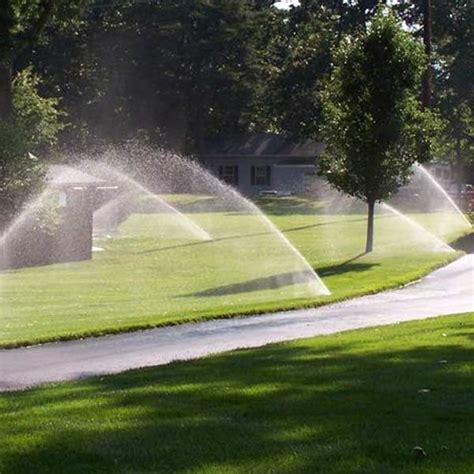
<point>153,276</point>
<point>358,401</point>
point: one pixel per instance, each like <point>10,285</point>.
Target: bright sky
<point>286,3</point>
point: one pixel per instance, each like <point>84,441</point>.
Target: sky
<point>286,3</point>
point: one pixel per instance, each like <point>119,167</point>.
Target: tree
<point>426,89</point>
<point>206,52</point>
<point>375,128</point>
<point>28,122</point>
<point>295,91</point>
<point>459,137</point>
<point>35,128</point>
<point>451,90</point>
<point>453,28</point>
<point>179,70</point>
<point>21,23</point>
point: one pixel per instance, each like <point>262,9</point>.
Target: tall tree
<point>375,128</point>
<point>453,28</point>
<point>427,40</point>
<point>181,70</point>
<point>295,91</point>
<point>450,42</point>
<point>21,22</point>
<point>36,125</point>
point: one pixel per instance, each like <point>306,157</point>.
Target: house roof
<point>262,145</point>
<point>64,176</point>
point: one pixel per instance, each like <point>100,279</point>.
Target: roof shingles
<point>263,145</point>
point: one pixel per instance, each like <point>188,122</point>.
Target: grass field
<point>157,273</point>
<point>353,402</point>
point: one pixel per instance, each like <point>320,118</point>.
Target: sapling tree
<point>374,125</point>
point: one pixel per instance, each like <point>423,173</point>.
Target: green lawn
<point>156,273</point>
<point>352,402</point>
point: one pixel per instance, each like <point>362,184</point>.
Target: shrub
<point>34,128</point>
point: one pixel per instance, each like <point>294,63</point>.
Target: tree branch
<point>28,38</point>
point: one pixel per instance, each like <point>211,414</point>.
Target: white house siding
<point>290,179</point>
<point>285,179</point>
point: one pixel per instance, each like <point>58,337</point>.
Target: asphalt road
<point>445,291</point>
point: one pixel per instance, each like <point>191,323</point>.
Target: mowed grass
<point>157,272</point>
<point>353,402</point>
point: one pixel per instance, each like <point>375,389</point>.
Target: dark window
<point>229,174</point>
<point>261,175</point>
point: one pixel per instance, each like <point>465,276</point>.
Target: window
<point>261,175</point>
<point>229,174</point>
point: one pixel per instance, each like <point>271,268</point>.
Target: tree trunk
<point>369,246</point>
<point>459,168</point>
<point>6,100</point>
<point>427,40</point>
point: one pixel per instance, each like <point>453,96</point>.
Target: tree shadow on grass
<point>257,284</point>
<point>281,280</point>
<point>327,407</point>
<point>347,266</point>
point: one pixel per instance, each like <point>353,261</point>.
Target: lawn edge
<point>228,315</point>
<point>235,351</point>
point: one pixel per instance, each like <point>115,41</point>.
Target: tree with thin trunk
<point>374,125</point>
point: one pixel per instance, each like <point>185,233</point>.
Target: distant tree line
<point>183,71</point>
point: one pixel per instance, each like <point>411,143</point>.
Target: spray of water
<point>443,192</point>
<point>316,283</point>
<point>352,210</point>
<point>437,243</point>
<point>200,181</point>
<point>425,201</point>
<point>35,237</point>
<point>130,186</point>
<point>245,240</point>
<point>29,210</point>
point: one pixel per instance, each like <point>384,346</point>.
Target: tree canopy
<point>184,71</point>
<point>375,128</point>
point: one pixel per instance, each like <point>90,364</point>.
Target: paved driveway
<point>445,291</point>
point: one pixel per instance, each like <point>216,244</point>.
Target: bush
<point>39,117</point>
<point>34,128</point>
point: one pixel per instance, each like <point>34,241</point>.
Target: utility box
<point>58,227</point>
<point>74,234</point>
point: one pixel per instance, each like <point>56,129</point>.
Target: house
<point>262,163</point>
